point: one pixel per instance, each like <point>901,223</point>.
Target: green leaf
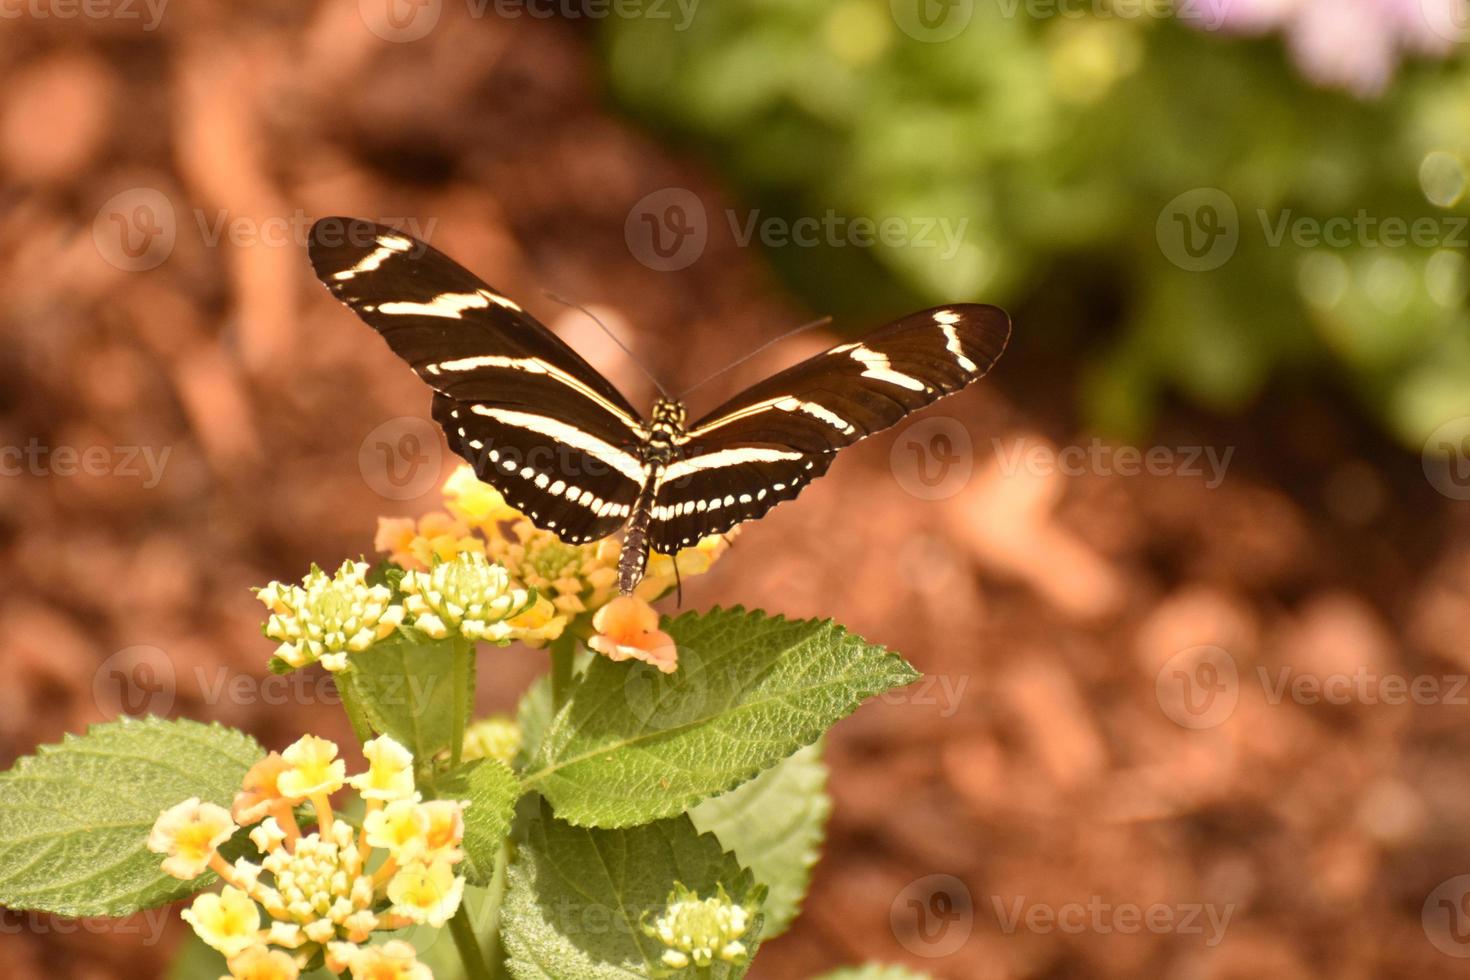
<point>75,817</point>
<point>875,971</point>
<point>492,790</point>
<point>404,687</point>
<point>774,824</point>
<point>577,897</point>
<point>634,745</point>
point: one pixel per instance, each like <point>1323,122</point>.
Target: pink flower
<point>1354,45</point>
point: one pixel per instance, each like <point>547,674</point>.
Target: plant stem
<point>464,693</point>
<point>463,932</point>
<point>563,654</point>
<point>494,897</point>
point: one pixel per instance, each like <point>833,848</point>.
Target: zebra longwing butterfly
<point>564,447</point>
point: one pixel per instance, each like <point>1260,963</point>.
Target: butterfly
<point>564,447</point>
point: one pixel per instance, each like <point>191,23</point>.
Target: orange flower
<point>416,545</point>
<point>259,793</point>
<point>627,628</point>
<point>395,537</point>
<point>661,575</point>
<point>262,963</point>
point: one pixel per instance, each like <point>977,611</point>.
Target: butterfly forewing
<point>765,444</point>
<point>855,389</point>
<point>535,420</point>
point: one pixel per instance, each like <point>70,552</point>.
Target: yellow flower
<point>426,893</point>
<point>497,737</point>
<point>660,576</point>
<point>320,886</point>
<point>538,624</point>
<point>468,596</point>
<point>401,828</point>
<point>324,619</point>
<point>627,628</point>
<point>445,829</point>
<point>390,771</point>
<point>269,834</point>
<point>394,960</point>
<point>700,931</point>
<point>577,578</point>
<point>312,768</point>
<point>262,963</point>
<point>259,794</point>
<point>190,834</point>
<point>229,921</point>
<point>477,504</point>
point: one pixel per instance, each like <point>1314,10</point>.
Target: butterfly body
<point>665,433</point>
<point>565,447</point>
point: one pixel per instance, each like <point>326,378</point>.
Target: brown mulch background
<point>1040,766</point>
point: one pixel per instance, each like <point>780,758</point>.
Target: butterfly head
<point>666,429</point>
<point>668,415</point>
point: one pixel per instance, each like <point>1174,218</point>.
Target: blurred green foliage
<point>1063,140</point>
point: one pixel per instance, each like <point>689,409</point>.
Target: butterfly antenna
<point>823,321</point>
<point>607,330</point>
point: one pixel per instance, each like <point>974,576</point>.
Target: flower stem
<point>563,655</point>
<point>464,694</point>
<point>469,947</point>
<point>494,904</point>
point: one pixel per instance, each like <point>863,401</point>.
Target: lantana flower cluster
<point>330,890</point>
<point>575,580</point>
<point>327,618</point>
<point>699,931</point>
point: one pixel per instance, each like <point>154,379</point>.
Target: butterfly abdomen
<point>634,556</point>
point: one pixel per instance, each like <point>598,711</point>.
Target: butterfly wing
<point>535,420</point>
<point>767,443</point>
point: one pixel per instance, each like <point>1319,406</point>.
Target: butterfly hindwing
<point>535,420</point>
<point>765,444</point>
<point>694,503</point>
<point>575,494</point>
